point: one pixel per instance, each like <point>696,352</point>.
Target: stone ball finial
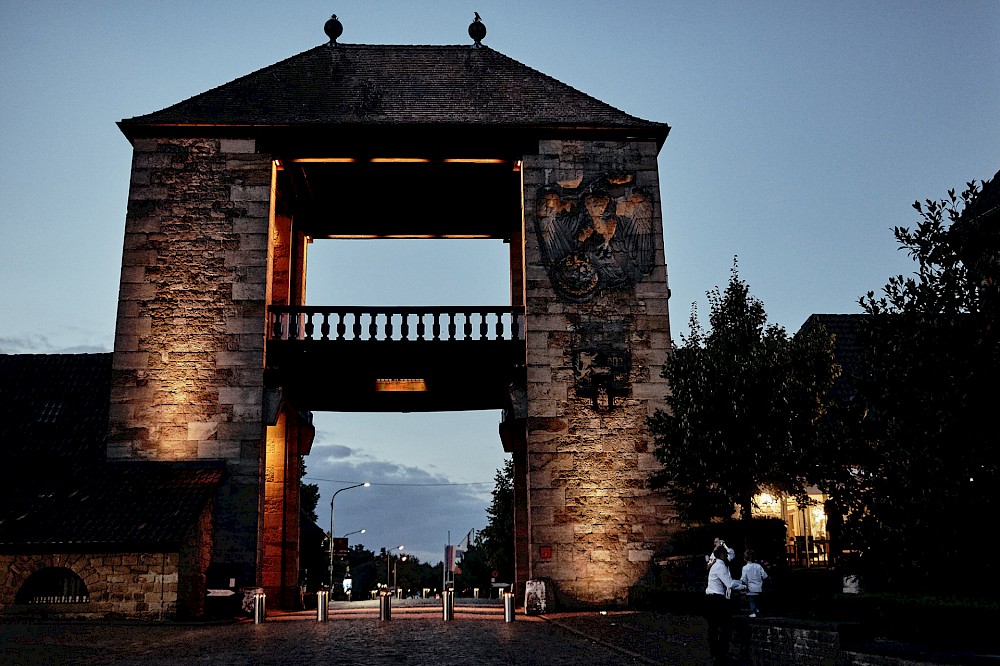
<point>477,30</point>
<point>333,29</point>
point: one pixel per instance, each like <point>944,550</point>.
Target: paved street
<point>416,635</point>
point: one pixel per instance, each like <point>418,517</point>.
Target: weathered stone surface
<point>587,468</point>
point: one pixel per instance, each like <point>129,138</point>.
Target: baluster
<point>388,325</point>
<point>341,328</point>
<point>276,325</point>
<point>421,327</point>
<point>373,325</point>
<point>436,326</point>
<point>309,325</point>
<point>324,328</point>
<point>467,328</point>
<point>500,326</point>
<point>451,326</point>
<point>404,327</point>
<point>357,325</point>
<point>484,326</point>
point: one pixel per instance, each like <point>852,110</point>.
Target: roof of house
<point>397,85</point>
<point>846,349</point>
<point>54,406</point>
<point>64,493</point>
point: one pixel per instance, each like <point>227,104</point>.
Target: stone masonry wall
<point>134,585</point>
<point>594,525</point>
<point>189,346</point>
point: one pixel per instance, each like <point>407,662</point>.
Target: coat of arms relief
<point>595,236</point>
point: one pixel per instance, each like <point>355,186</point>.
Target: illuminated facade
<point>218,358</point>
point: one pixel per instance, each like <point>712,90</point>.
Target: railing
<point>395,324</point>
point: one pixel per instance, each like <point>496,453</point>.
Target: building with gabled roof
<point>218,362</point>
<point>79,535</point>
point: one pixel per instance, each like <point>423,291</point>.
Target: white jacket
<point>753,577</point>
<point>719,580</point>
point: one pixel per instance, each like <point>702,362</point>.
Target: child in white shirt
<point>753,578</point>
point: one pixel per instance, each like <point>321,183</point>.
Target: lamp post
<point>333,497</point>
<point>394,565</point>
<point>361,531</point>
<point>388,556</point>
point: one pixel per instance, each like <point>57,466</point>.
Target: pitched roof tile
<point>397,85</point>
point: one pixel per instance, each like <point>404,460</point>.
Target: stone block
<point>202,430</point>
<point>240,430</point>
<point>249,193</point>
<point>249,291</point>
<point>237,146</point>
<point>130,361</point>
<point>256,241</point>
<point>250,225</point>
<point>147,193</point>
<point>237,395</point>
<point>126,343</point>
<point>218,450</point>
<point>640,555</point>
<point>233,359</point>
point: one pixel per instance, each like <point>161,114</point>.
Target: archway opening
<point>53,585</point>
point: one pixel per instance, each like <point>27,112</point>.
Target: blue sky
<point>802,132</point>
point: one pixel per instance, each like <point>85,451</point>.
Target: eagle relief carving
<point>596,236</point>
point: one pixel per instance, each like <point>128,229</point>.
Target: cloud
<point>40,344</point>
<point>25,344</point>
<point>405,505</point>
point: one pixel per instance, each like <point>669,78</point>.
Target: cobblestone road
<point>415,636</point>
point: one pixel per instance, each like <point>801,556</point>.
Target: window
<point>54,585</point>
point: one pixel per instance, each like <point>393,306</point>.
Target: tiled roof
<point>367,84</point>
<point>54,406</point>
<point>846,350</point>
<point>120,504</point>
<point>59,491</point>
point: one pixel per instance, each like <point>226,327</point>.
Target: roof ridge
<point>380,84</point>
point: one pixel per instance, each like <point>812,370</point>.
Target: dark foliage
<point>743,411</point>
<point>921,455</point>
<point>494,544</point>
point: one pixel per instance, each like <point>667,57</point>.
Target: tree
<point>924,461</point>
<point>744,407</point>
<point>495,542</point>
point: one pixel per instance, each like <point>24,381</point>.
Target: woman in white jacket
<point>717,612</point>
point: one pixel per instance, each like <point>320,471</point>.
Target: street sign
<point>340,547</point>
<point>221,593</point>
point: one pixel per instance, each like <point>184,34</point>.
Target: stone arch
<point>52,585</point>
<point>24,566</point>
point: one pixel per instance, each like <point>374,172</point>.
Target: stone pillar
<point>597,337</point>
<point>187,379</point>
<point>286,441</point>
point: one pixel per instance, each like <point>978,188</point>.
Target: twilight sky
<point>802,132</point>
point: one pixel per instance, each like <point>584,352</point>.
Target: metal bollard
<point>508,606</point>
<point>259,611</point>
<point>322,605</point>
<point>385,606</point>
<point>448,605</point>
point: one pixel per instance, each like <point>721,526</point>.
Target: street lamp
<point>394,564</point>
<point>388,556</point>
<point>361,531</point>
<point>333,497</point>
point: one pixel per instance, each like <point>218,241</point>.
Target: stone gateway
<point>217,358</point>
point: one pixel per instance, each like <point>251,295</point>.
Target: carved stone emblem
<point>595,236</point>
<point>602,362</point>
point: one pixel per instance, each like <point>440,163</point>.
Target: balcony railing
<point>395,324</point>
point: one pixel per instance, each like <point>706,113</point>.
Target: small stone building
<point>81,536</point>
